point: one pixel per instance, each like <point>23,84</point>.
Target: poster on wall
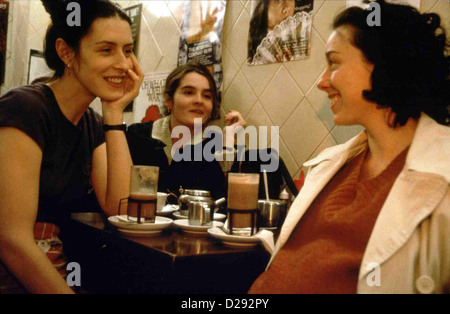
<point>134,13</point>
<point>4,9</point>
<point>38,71</point>
<point>201,35</point>
<point>280,31</point>
<point>150,104</point>
<point>362,4</point>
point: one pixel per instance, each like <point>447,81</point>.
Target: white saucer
<point>139,233</point>
<point>232,240</point>
<point>217,216</point>
<point>122,223</point>
<point>184,225</point>
<point>167,210</point>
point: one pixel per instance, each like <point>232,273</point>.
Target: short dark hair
<point>410,57</point>
<point>174,79</point>
<point>58,28</point>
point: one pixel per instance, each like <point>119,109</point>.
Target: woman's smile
<point>115,81</point>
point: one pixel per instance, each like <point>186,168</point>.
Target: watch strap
<point>118,127</point>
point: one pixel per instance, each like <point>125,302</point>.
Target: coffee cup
<point>200,213</point>
<point>271,213</point>
<point>161,201</point>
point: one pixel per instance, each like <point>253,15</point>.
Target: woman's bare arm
<point>20,164</point>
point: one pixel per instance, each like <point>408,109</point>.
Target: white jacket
<point>411,238</point>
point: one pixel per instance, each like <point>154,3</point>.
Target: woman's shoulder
<point>32,98</point>
<point>430,149</point>
<point>28,108</point>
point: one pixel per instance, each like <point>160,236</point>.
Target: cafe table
<point>172,262</point>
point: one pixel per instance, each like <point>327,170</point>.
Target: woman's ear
<point>169,102</point>
<point>65,52</point>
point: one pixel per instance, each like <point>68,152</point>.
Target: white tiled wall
<point>283,95</point>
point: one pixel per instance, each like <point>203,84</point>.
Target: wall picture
<point>280,31</point>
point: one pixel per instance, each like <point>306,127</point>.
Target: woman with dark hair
<point>373,215</point>
<point>190,93</point>
<point>55,149</point>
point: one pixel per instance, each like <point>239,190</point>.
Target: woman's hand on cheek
<point>131,85</point>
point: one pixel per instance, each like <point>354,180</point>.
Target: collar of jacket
<point>161,131</point>
<point>416,193</point>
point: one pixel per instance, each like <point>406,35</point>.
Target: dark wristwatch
<point>118,127</point>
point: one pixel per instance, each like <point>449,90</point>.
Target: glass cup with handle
<point>242,206</point>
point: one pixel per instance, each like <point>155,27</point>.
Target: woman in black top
<point>191,93</point>
<point>53,146</point>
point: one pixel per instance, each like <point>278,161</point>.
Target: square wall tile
<point>152,11</point>
<point>239,96</point>
<point>230,68</point>
<point>237,40</point>
<point>287,157</point>
<point>232,13</point>
<point>305,72</point>
<point>176,7</point>
<point>259,76</point>
<point>149,54</point>
<point>303,132</point>
<point>327,143</point>
<point>442,7</point>
<point>321,105</point>
<point>325,15</point>
<point>258,118</point>
<point>281,96</point>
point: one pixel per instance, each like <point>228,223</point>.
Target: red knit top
<point>325,250</point>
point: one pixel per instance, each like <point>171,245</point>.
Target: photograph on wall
<point>38,71</point>
<point>280,31</point>
<point>364,4</point>
<point>4,9</point>
<point>201,35</point>
<point>134,13</point>
<point>150,104</point>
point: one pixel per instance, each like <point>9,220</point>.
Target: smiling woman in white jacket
<point>374,213</point>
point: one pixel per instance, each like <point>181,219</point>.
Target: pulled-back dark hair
<point>72,35</point>
<point>410,56</point>
<point>174,79</point>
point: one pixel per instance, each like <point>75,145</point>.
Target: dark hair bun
<point>56,9</point>
<point>432,20</point>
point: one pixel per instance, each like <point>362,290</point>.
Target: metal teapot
<point>186,196</point>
